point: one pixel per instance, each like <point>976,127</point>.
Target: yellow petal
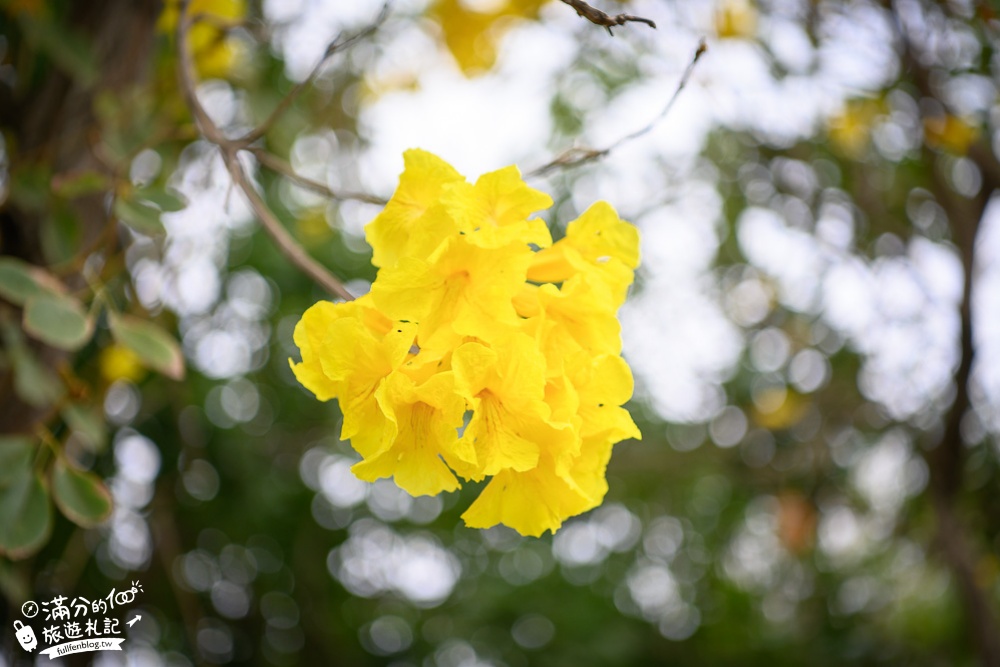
<point>563,400</point>
<point>344,357</point>
<point>311,376</point>
<point>588,471</point>
<point>598,244</point>
<point>463,290</point>
<point>427,419</point>
<point>600,233</point>
<point>418,470</point>
<point>352,353</point>
<point>308,336</point>
<point>514,372</point>
<point>471,35</point>
<point>529,502</point>
<point>475,368</point>
<point>584,314</point>
<point>413,458</point>
<point>557,263</point>
<point>406,290</point>
<point>493,431</point>
<point>603,384</point>
<point>365,424</point>
<point>420,184</point>
<point>467,34</point>
<point>511,422</point>
<point>494,212</point>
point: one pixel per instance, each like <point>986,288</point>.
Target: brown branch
<point>597,17</point>
<point>336,45</point>
<point>575,157</point>
<point>230,149</point>
<point>292,250</point>
<point>275,163</point>
<point>946,459</point>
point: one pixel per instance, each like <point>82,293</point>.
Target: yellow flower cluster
<point>483,349</point>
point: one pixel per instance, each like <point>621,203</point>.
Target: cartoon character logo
<point>25,636</point>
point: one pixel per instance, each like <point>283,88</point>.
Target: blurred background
<point>814,330</point>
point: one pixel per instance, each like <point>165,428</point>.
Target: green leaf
<point>58,320</point>
<point>88,423</point>
<point>154,346</point>
<point>80,183</point>
<point>34,383</point>
<point>167,202</point>
<point>60,234</point>
<point>29,187</point>
<point>20,280</point>
<point>14,584</point>
<point>127,118</point>
<point>80,495</point>
<point>140,216</point>
<point>25,516</point>
<point>15,457</point>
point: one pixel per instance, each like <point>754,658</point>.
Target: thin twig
<point>291,249</point>
<point>186,72</point>
<point>230,149</point>
<point>275,163</point>
<point>336,45</point>
<point>597,17</point>
<point>574,157</point>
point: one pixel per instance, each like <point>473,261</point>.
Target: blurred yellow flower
<point>776,409</point>
<point>472,33</point>
<point>456,366</point>
<point>850,130</point>
<point>736,19</point>
<point>312,227</point>
<point>120,363</point>
<point>215,52</point>
<point>950,134</point>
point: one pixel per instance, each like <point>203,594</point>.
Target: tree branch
<point>230,149</point>
<point>946,460</point>
<point>288,246</point>
<point>597,17</point>
<point>335,46</point>
<point>574,157</point>
<point>276,164</point>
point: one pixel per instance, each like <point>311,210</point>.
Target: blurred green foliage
<point>808,519</point>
